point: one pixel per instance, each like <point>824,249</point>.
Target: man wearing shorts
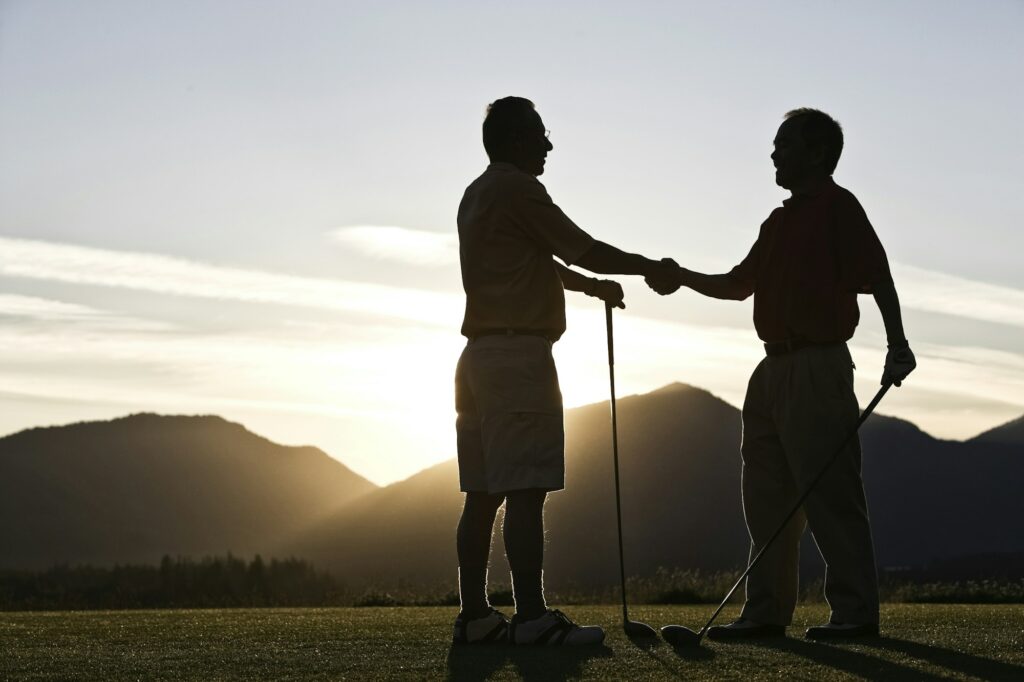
<point>812,257</point>
<point>509,405</point>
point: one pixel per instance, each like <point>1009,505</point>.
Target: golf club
<point>680,636</point>
<point>632,628</point>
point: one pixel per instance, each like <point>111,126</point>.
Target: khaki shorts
<point>509,425</point>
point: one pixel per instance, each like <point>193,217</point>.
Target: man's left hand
<point>608,291</point>
<point>899,362</point>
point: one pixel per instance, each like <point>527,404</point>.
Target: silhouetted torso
<point>813,255</point>
<point>509,229</point>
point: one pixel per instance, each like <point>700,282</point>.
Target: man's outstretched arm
<point>900,360</point>
<point>605,259</point>
<point>725,286</point>
<point>605,289</point>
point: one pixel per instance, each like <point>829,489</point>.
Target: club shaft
<point>796,507</point>
<point>615,457</point>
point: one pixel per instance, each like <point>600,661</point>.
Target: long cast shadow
<point>554,663</point>
<point>531,663</point>
<point>968,664</point>
<point>835,655</point>
<point>476,662</point>
<point>850,661</point>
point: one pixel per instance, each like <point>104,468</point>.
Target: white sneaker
<point>554,627</point>
<point>490,629</point>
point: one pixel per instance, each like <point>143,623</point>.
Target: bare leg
<point>473,542</point>
<point>524,547</point>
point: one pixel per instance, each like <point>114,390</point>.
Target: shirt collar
<point>824,188</point>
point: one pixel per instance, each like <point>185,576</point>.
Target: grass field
<point>921,642</point>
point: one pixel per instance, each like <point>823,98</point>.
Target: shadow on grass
<point>837,656</point>
<point>643,642</point>
<point>692,653</point>
<point>847,660</point>
<point>531,663</point>
<point>956,661</point>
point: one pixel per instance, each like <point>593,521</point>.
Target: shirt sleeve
<point>548,226</point>
<point>861,256</point>
<point>746,272</point>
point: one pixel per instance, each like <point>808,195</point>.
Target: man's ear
<point>818,155</point>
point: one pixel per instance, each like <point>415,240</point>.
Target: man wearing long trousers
<point>509,405</point>
<point>812,257</point>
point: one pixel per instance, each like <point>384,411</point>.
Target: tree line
<point>232,582</point>
<point>212,582</point>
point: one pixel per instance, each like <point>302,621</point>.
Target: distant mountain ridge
<point>1010,433</point>
<point>680,471</point>
<point>137,488</point>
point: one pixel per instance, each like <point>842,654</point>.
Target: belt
<point>772,348</point>
<point>511,332</point>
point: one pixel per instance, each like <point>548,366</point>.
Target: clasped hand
<point>664,278</point>
<point>608,291</point>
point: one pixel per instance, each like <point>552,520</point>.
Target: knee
<point>482,504</point>
<point>526,501</point>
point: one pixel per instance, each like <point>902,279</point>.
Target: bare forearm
<point>889,306</point>
<point>716,286</point>
<point>608,260</point>
<point>575,281</point>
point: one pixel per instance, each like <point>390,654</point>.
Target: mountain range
<point>136,488</point>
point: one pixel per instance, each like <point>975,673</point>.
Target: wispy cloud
<point>48,310</point>
<point>417,247</point>
<point>938,292</point>
<point>919,288</point>
<point>175,276</point>
<point>34,307</point>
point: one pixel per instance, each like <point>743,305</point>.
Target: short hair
<point>505,117</point>
<point>820,128</point>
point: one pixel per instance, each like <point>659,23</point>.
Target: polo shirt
<point>812,257</point>
<point>509,230</point>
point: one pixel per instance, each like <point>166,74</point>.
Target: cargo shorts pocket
<point>525,449</point>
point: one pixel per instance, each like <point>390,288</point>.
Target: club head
<point>677,635</point>
<point>640,630</point>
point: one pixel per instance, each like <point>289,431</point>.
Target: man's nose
<point>549,145</point>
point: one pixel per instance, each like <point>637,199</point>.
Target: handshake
<point>664,276</point>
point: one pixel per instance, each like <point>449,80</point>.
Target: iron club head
<point>679,636</point>
<point>636,629</point>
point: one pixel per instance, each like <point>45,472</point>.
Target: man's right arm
<point>724,286</point>
<point>735,285</point>
<point>550,226</point>
<point>605,259</point>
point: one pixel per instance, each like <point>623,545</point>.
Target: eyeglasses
<point>547,134</point>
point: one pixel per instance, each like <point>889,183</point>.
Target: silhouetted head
<point>514,133</point>
<point>807,148</point>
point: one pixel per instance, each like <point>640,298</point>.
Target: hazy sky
<point>248,208</point>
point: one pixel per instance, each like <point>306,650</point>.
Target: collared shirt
<point>814,254</point>
<point>509,229</point>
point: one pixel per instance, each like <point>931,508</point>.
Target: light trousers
<point>798,410</point>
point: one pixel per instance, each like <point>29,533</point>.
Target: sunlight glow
<point>417,247</point>
<point>177,276</point>
<point>379,393</point>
